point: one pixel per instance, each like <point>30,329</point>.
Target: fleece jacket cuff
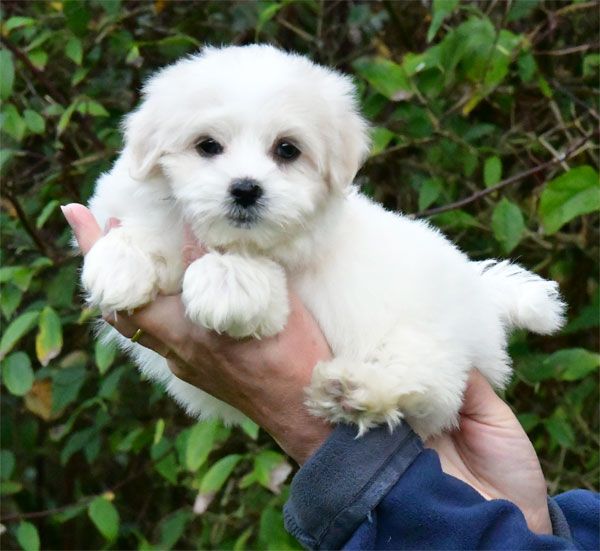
<point>338,487</point>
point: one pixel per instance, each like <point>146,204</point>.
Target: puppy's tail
<point>524,299</point>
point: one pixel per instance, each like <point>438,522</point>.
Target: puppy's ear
<point>350,141</point>
<point>142,143</point>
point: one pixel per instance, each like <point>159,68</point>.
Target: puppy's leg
<point>124,270</point>
<point>410,377</point>
<point>237,295</point>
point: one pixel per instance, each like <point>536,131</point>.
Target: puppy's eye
<point>207,147</point>
<point>286,151</point>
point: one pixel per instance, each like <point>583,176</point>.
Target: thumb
<point>84,225</point>
<point>481,403</point>
<point>192,248</point>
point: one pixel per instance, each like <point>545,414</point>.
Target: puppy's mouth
<point>243,217</point>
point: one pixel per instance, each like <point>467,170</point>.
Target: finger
<point>111,224</point>
<point>84,225</point>
<point>125,326</point>
<point>192,248</point>
<point>165,320</point>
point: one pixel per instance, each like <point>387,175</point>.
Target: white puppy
<point>256,150</point>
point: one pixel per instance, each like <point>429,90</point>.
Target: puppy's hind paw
<point>346,391</point>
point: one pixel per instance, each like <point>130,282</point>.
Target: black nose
<point>245,192</point>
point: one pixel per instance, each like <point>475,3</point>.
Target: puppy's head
<point>252,141</point>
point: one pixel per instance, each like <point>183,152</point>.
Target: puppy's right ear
<point>142,144</point>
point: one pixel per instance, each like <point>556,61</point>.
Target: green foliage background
<point>485,120</point>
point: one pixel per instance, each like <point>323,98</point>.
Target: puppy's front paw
<point>237,295</point>
<point>117,275</point>
<point>347,391</point>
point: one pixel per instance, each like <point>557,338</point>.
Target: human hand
<point>265,379</point>
<point>491,452</point>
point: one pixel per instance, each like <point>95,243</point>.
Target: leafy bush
<point>485,120</point>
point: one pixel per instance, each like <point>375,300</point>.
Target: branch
<point>30,229</point>
<point>503,183</point>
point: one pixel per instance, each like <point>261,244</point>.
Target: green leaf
<point>527,66</point>
<point>74,50</point>
<point>9,487</point>
<point>17,374</point>
<point>77,14</point>
<point>572,364</point>
<point>17,275</point>
<point>272,535</point>
<point>520,9</point>
<point>6,155</point>
<point>39,58</point>
<point>7,464</point>
<point>250,428</point>
<point>387,77</point>
<point>199,444</point>
<point>46,212</point>
<point>172,527</point>
<point>12,122</point>
<point>49,340</point>
<point>105,517</point>
<point>429,191</point>
<point>7,74</point>
<point>492,171</point>
<point>66,384</point>
<point>159,430</point>
<point>27,536</point>
<point>105,354</point>
<point>440,9</point>
<point>10,298</point>
<point>92,107</point>
<point>218,474</point>
<point>591,65</point>
<point>380,138</point>
<point>266,14</point>
<point>65,118</point>
<point>16,331</point>
<point>568,196</point>
<point>560,429</point>
<point>508,224</point>
<point>168,468</point>
<point>34,121</point>
<point>528,421</point>
<point>17,22</point>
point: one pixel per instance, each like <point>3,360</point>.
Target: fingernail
<point>68,214</point>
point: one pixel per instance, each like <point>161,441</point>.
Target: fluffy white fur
<point>407,314</point>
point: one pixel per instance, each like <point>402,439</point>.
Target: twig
<point>567,51</point>
<point>467,200</point>
<point>31,231</point>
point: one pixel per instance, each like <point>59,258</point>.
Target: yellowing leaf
<point>49,340</point>
<point>39,400</point>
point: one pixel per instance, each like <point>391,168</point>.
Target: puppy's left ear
<point>350,143</point>
<point>142,144</point>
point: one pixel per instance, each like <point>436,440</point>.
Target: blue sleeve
<point>384,491</point>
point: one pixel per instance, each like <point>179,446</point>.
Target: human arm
<point>387,491</point>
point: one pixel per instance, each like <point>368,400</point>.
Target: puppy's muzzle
<point>245,192</point>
